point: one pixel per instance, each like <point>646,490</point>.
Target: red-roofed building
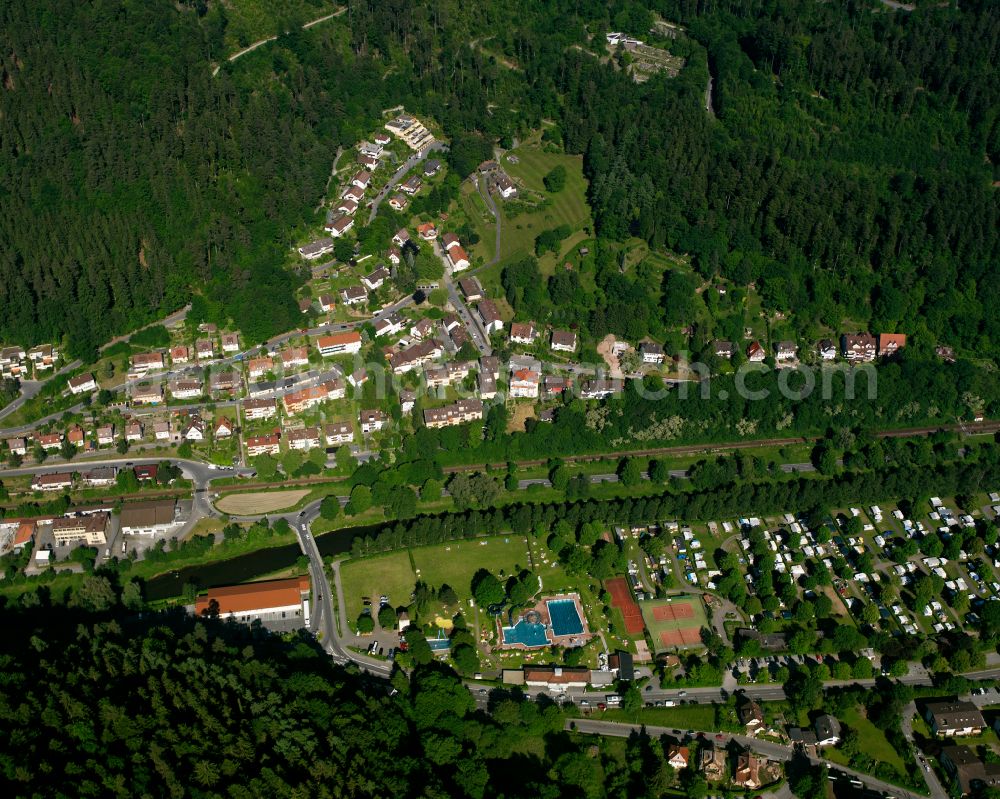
<point>269,600</point>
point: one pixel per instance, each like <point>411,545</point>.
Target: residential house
<point>260,408</point>
<point>339,226</point>
<point>460,412</point>
<point>651,352</point>
<point>180,354</point>
<point>747,773</point>
<point>106,435</point>
<point>316,249</point>
<point>133,431</point>
<point>414,356</point>
<point>42,357</point>
<point>827,349</point>
<point>193,429</point>
<point>394,255</point>
<point>373,420</point>
<point>488,167</point>
<point>263,445</point>
<point>971,774</point>
<point>490,315</point>
<point>304,439</point>
<point>402,236</point>
<point>523,332</point>
<point>76,436</point>
<point>827,730</point>
<point>205,349</point>
<point>398,202</point>
<point>226,382</point>
<point>369,162</point>
<point>599,388</point>
<point>677,756</point>
<point>554,385</point>
<point>347,207</point>
<point>339,433</point>
<point>376,278</point>
<point>295,356</point>
<point>751,716</point>
<point>82,384</point>
<point>858,347</point>
<point>224,428</point>
<point>411,130</point>
<point>422,329</point>
<point>723,348</point>
<point>563,341</point>
<point>486,385</point>
<point>18,446</point>
<point>712,761</point>
<point>161,431</point>
<point>361,179</point>
<point>305,305</point>
<point>353,295</point>
<point>953,719</point>
<point>427,231</point>
<point>147,394</point>
<point>53,481</point>
<point>298,401</point>
<point>185,389</point>
<point>348,342</point>
<point>755,352</point>
<point>431,167</point>
<point>368,148</point>
<point>326,303</point>
<point>458,259</point>
<point>145,362</point>
<point>524,383</point>
<point>358,378</point>
<point>353,193</point>
<point>230,342</point>
<point>49,441</point>
<point>505,186</point>
<point>785,351</point>
<point>389,325</point>
<point>407,399</point>
<point>411,186</point>
<point>382,138</point>
<point>890,343</point>
<point>258,367</point>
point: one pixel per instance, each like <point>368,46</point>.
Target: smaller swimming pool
<point>527,633</point>
<point>439,644</point>
<point>565,617</point>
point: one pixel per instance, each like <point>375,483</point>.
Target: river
<point>251,565</point>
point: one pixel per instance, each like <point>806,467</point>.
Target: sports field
<point>621,598</point>
<point>674,622</point>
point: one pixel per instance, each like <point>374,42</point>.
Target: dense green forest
<point>96,702</point>
<point>845,164</point>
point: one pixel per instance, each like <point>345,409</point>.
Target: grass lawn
<point>688,717</point>
<point>390,574</point>
<point>872,741</point>
<point>455,563</point>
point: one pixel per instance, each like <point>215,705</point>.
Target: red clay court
<point>678,610</point>
<point>621,598</point>
<point>686,636</point>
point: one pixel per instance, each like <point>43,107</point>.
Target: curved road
<point>412,161</point>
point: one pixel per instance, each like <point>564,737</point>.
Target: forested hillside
<point>848,165</point>
<point>112,706</point>
<point>846,161</point>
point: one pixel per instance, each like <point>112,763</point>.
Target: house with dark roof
<point>827,730</point>
<point>951,719</point>
<point>968,770</point>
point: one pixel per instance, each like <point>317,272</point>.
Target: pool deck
<point>542,609</point>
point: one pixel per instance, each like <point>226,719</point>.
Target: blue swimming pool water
<point>439,644</point>
<point>564,617</point>
<point>531,635</point>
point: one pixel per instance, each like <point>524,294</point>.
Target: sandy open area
<point>252,503</point>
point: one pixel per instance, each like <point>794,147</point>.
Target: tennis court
<point>621,598</point>
<point>675,622</point>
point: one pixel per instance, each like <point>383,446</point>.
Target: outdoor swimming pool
<point>565,617</point>
<point>527,633</point>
